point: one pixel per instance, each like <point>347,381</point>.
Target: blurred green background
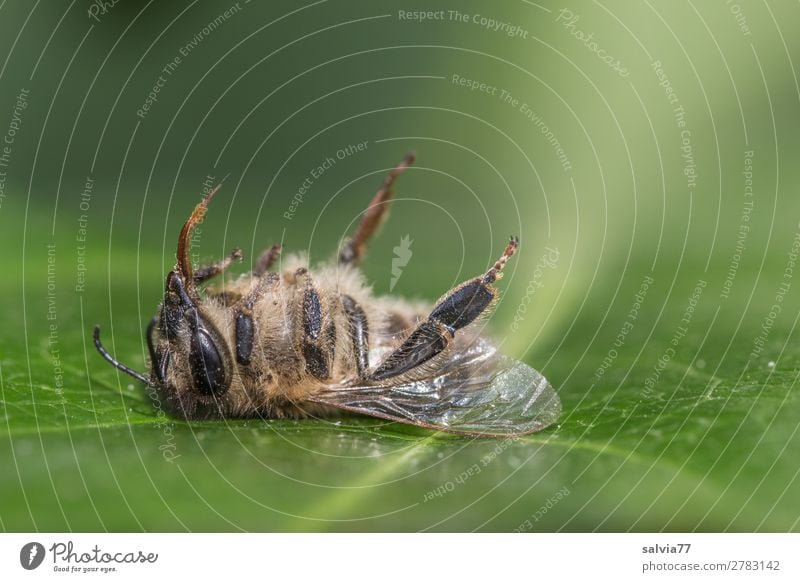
<point>644,152</point>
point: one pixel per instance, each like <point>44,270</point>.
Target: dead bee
<point>309,344</point>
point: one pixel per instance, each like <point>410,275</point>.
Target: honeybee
<point>310,344</point>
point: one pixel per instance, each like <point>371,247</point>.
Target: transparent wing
<point>475,391</point>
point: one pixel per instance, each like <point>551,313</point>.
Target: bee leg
<point>457,309</point>
<point>207,272</point>
<point>266,259</point>
<point>354,248</point>
<point>359,333</point>
<point>317,343</point>
<point>245,326</point>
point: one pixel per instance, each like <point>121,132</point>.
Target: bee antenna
<point>184,264</point>
<point>111,360</point>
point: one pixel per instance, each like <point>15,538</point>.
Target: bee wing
<point>477,391</point>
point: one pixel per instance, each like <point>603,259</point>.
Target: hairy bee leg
<point>457,309</point>
<point>245,330</point>
<point>266,259</point>
<point>314,354</point>
<point>245,326</point>
<point>207,272</point>
<point>317,343</point>
<point>359,333</point>
<point>353,251</point>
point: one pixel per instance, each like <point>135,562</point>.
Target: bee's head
<point>190,341</point>
<point>191,364</point>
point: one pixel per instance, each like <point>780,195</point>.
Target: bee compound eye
<point>207,366</point>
